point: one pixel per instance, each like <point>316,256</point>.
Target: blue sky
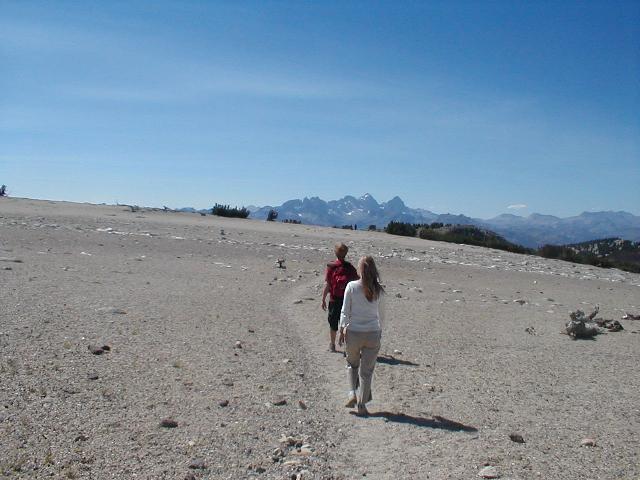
<point>470,107</point>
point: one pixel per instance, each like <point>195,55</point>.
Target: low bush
<point>227,211</point>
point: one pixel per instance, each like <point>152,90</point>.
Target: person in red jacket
<point>337,275</point>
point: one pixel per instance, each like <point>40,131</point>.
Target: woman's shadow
<point>436,421</point>
<point>391,360</point>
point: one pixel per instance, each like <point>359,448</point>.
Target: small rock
<point>168,423</point>
<point>520,301</point>
<point>95,349</point>
<point>288,440</point>
<point>278,402</point>
<point>223,403</point>
<point>111,310</point>
<point>286,360</point>
<point>588,442</point>
<point>398,295</point>
<point>93,376</point>
<point>397,352</point>
<point>302,405</point>
<point>238,344</point>
<point>297,302</point>
<point>303,451</point>
<point>488,472</point>
<point>198,464</point>
<point>7,268</point>
<point>81,438</point>
<point>516,437</point>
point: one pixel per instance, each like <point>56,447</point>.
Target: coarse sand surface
<point>151,344</point>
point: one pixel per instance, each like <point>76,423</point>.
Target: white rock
<point>488,472</point>
<point>588,442</point>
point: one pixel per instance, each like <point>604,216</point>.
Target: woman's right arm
<point>345,313</point>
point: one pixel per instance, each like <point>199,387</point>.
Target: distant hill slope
<point>532,231</point>
<point>536,229</point>
<point>615,250</point>
<point>606,253</point>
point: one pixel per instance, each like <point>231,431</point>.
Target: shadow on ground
<point>433,422</point>
<point>391,360</point>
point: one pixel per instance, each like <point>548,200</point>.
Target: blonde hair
<point>340,250</point>
<point>370,278</point>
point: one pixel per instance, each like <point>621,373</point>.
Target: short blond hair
<point>340,250</point>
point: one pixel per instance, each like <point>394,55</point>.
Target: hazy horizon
<point>248,205</point>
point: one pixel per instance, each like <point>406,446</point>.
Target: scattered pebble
<point>223,403</point>
<point>488,472</point>
<point>290,441</point>
<point>278,402</point>
<point>99,350</point>
<point>516,437</point>
<point>588,442</point>
<point>113,311</point>
<point>198,464</point>
<point>168,423</point>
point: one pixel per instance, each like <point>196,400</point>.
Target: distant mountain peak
<point>395,202</point>
<point>531,231</point>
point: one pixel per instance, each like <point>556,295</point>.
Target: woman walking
<point>361,330</point>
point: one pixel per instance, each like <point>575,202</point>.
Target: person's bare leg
<point>332,340</point>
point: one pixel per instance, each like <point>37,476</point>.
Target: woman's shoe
<point>362,411</point>
<point>351,402</point>
<point>332,347</point>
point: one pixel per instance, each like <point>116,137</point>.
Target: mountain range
<point>532,231</point>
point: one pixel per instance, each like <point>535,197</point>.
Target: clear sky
<point>478,107</point>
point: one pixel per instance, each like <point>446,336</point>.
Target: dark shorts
<point>335,307</point>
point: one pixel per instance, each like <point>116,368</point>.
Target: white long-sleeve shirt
<point>359,313</point>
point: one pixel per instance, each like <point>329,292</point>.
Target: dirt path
<point>391,443</point>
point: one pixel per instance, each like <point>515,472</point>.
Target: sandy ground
<point>171,296</point>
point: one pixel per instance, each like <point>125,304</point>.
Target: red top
<point>337,275</point>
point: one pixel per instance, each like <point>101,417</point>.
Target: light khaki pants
<point>362,352</point>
